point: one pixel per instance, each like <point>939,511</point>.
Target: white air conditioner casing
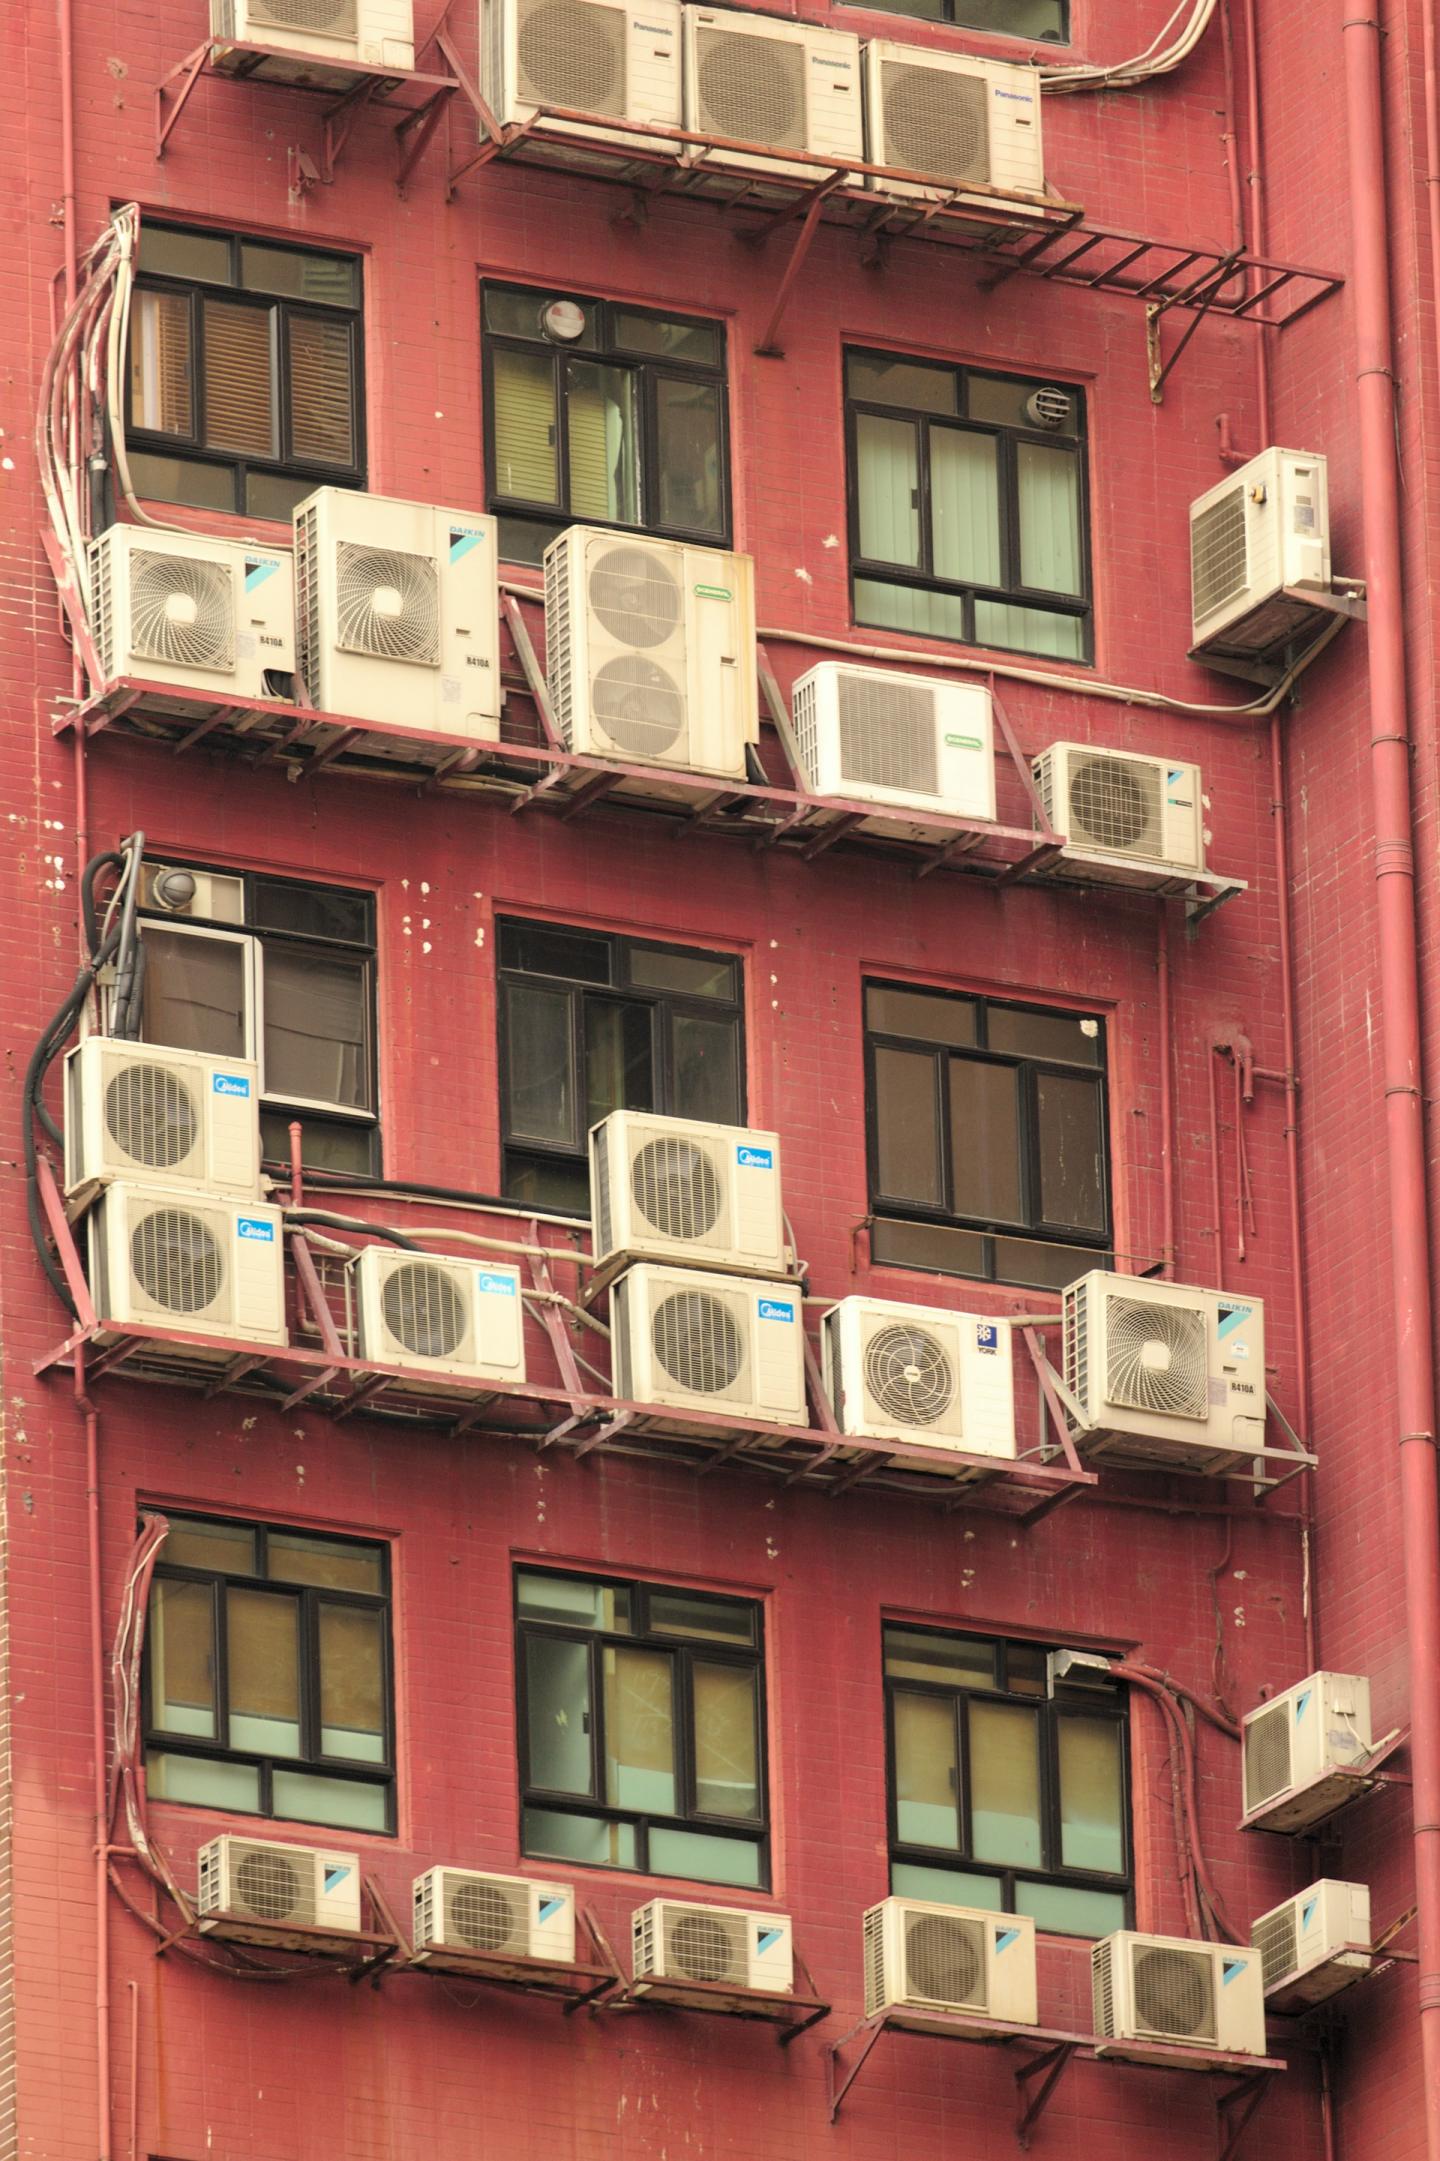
<point>921,1376</point>
<point>924,1957</point>
<point>964,119</point>
<point>344,33</point>
<point>1164,1373</point>
<point>138,1110</point>
<point>650,651</point>
<point>398,614</point>
<point>759,79</point>
<point>675,1941</point>
<point>912,742</point>
<point>255,1879</point>
<point>1177,1997</point>
<point>179,608</point>
<point>217,896</point>
<point>509,1917</point>
<point>1300,1748</point>
<point>676,1189</point>
<point>1315,1944</point>
<point>164,1257</point>
<point>725,1344</point>
<point>1257,534</point>
<point>592,56</point>
<point>446,1320</point>
<point>1132,820</point>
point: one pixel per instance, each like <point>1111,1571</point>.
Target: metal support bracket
<point>1234,2109</point>
<point>1200,296</point>
<point>1049,2068</point>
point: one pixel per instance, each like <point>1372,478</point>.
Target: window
<point>641,1728</point>
<point>244,372</point>
<point>987,1137</point>
<point>1000,1795</point>
<point>609,416</point>
<point>267,1675</point>
<point>281,973</point>
<point>1047,20</point>
<point>967,513</point>
<point>592,1024</point>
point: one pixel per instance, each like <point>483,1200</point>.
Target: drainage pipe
<point>91,1417</point>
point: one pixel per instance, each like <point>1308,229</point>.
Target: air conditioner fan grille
<point>638,705</point>
<point>387,603</point>
<point>269,1886</point>
<point>572,53</point>
<point>887,735</point>
<point>331,18</point>
<point>176,1260</point>
<point>423,1309</point>
<point>944,1958</point>
<point>487,1917</point>
<point>705,1947</point>
<point>677,1188</point>
<point>150,1115</point>
<point>1174,1992</point>
<point>936,122</point>
<point>1115,805</point>
<point>1157,1358</point>
<point>182,611</point>
<point>635,597</point>
<point>908,1375</point>
<point>752,88</point>
<point>697,1342</point>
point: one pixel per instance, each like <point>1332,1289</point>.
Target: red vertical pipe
<point>97,1748</point>
<point>1167,1091</point>
<point>1400,998</point>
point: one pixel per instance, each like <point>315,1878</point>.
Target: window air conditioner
<point>675,1189</point>
<point>672,1940</point>
<point>509,1917</point>
<point>923,1957</point>
<point>589,56</point>
<point>1165,1990</point>
<point>212,896</point>
<point>370,33</point>
<point>1163,1373</point>
<point>758,79</point>
<point>921,1375</point>
<point>398,614</point>
<point>1299,1748</point>
<point>452,1321</point>
<point>956,116</point>
<point>1315,1944</point>
<point>650,650</point>
<point>168,1258</point>
<point>712,1343</point>
<point>252,1879</point>
<point>135,1110</point>
<point>1132,820</point>
<point>177,608</point>
<point>913,742</point>
<point>1253,537</point>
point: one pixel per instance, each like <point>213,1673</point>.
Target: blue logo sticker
<point>776,1309</point>
<point>549,1907</point>
<point>257,569</point>
<point>1308,1911</point>
<point>987,1337</point>
<point>1233,1317</point>
<point>1006,1937</point>
<point>1302,1702</point>
<point>767,1938</point>
<point>257,1228</point>
<point>1230,1968</point>
<point>463,539</point>
<point>335,1876</point>
<point>1175,774</point>
<point>755,1159</point>
<point>230,1084</point>
<point>494,1285</point>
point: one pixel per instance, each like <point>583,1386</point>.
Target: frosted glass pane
<point>181,1627</point>
<point>263,1646</point>
<point>604,456</point>
<point>578,1838</point>
<point>965,506</point>
<point>927,1779</point>
<point>523,419</point>
<point>1092,1800</point>
<point>703,1858</point>
<point>557,1685</point>
<point>194,995</point>
<point>888,483</point>
<point>1072,1152</point>
<point>1029,630</point>
<point>727,1778</point>
<point>1049,518</point>
<point>907,1144</point>
<point>985,1140</point>
<point>946,1886</point>
<point>1065,1910</point>
<point>1004,1784</point>
<point>908,607</point>
<point>203,1782</point>
<point>343,1802</point>
<point>640,1730</point>
<point>352,1684</point>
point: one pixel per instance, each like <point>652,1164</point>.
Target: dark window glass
<point>1047,20</point>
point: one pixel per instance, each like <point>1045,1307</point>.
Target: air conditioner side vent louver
<point>1275,1939</point>
<point>1219,555</point>
<point>1267,1755</point>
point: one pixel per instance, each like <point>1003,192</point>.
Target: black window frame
<point>193,449</point>
<point>1012,592</point>
<point>1087,1700</point>
<point>954,15</point>
<point>1092,1251</point>
<point>648,367</point>
<point>754,1834</point>
<point>376,1776</point>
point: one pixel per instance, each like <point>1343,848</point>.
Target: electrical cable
<point>1157,58</point>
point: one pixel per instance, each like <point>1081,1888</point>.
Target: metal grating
<point>704,1946</point>
<point>1219,556</point>
<point>328,18</point>
<point>387,603</point>
<point>151,1116</point>
<point>423,1309</point>
<point>1157,1358</point>
<point>874,1961</point>
<point>945,1960</point>
<point>1102,1987</point>
<point>1116,804</point>
<point>1277,1940</point>
<point>269,1885</point>
<point>1174,1992</point>
<point>697,1342</point>
<point>676,1187</point>
<point>936,122</point>
<point>908,1375</point>
<point>887,734</point>
<point>1077,1340</point>
<point>486,1916</point>
<point>572,53</point>
<point>182,612</point>
<point>176,1260</point>
<point>1267,1754</point>
<point>751,88</point>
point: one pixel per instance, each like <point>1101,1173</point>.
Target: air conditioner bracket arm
<point>1049,2068</point>
<point>188,71</point>
<point>1234,2109</point>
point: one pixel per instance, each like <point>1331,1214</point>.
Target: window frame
<point>193,449</point>
<point>952,19</point>
<point>958,1860</point>
<point>647,369</point>
<point>1012,592</point>
<point>752,1833</point>
<point>382,1775</point>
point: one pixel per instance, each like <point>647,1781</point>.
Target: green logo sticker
<point>963,742</point>
<point>714,592</point>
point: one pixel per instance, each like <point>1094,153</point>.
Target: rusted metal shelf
<point>359,1954</point>
<point>791,2015</point>
<point>576,1985</point>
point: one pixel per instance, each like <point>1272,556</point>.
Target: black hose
<point>365,1181</point>
<point>352,1223</point>
<point>88,875</point>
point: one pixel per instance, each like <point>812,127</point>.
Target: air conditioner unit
<point>912,742</point>
<point>1163,1373</point>
<point>137,1110</point>
<point>204,614</point>
<point>921,1376</point>
<point>166,1258</point>
<point>961,118</point>
<point>342,33</point>
<point>253,1879</point>
<point>507,1917</point>
<point>1177,1997</point>
<point>398,614</point>
<point>674,1941</point>
<point>922,1957</point>
<point>1300,1749</point>
<point>590,56</point>
<point>1132,820</point>
<point>650,651</point>
<point>1315,1944</point>
<point>710,1343</point>
<point>758,79</point>
<point>450,1321</point>
<point>1257,539</point>
<point>675,1189</point>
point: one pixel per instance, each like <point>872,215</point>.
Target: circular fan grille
<point>481,1916</point>
<point>182,611</point>
<point>1109,802</point>
<point>697,1342</point>
<point>268,1885</point>
<point>752,88</point>
<point>638,705</point>
<point>634,597</point>
<point>1156,1358</point>
<point>570,55</point>
<point>944,1959</point>
<point>909,1376</point>
<point>388,603</point>
<point>176,1261</point>
<point>423,1309</point>
<point>936,123</point>
<point>150,1114</point>
<point>676,1188</point>
<point>699,1948</point>
<point>1174,1992</point>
